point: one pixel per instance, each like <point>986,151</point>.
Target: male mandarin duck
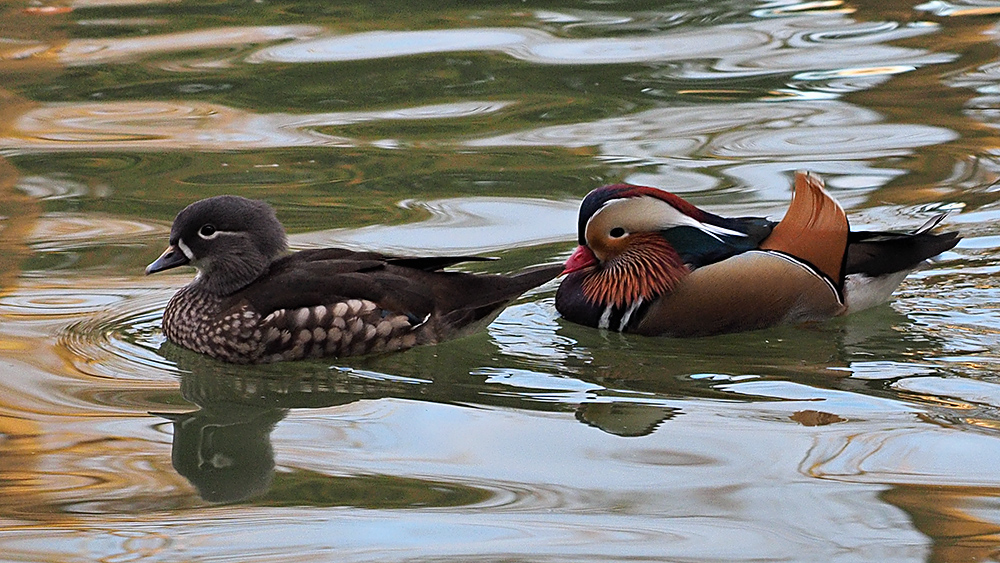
<point>251,302</point>
<point>653,264</point>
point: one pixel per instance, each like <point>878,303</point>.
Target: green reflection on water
<point>385,83</point>
<point>326,188</point>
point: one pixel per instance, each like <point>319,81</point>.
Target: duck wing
<point>464,299</point>
<point>333,281</point>
<point>699,247</point>
<point>414,287</point>
<point>426,263</point>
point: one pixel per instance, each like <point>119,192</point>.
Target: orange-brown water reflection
<point>951,518</point>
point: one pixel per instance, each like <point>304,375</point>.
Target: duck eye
<point>617,232</point>
<point>206,231</point>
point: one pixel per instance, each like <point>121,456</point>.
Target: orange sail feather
<point>814,229</point>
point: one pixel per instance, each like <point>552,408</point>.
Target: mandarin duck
<point>251,302</point>
<point>651,263</point>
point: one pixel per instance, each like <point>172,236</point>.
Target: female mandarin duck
<point>252,303</point>
<point>652,263</point>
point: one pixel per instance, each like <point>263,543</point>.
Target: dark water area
<point>466,127</point>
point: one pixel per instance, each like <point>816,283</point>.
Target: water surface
<point>456,128</point>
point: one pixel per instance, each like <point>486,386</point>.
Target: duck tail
<point>874,253</point>
<point>532,277</point>
<point>495,292</point>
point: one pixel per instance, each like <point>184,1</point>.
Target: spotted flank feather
<point>345,328</point>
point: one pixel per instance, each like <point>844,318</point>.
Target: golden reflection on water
<point>102,51</point>
<point>948,516</point>
<point>142,126</point>
<point>18,221</point>
<point>19,459</point>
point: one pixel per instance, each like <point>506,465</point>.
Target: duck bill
<point>171,258</point>
<point>582,257</point>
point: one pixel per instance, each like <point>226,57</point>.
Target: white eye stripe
<point>184,248</point>
<point>215,234</point>
<point>650,214</point>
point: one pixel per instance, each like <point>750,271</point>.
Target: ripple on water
<point>526,44</point>
<point>858,141</point>
<point>158,125</point>
<point>861,32</point>
<point>740,130</point>
<point>52,187</point>
<point>86,329</point>
<point>125,478</point>
<point>116,336</point>
<point>41,301</point>
<point>857,51</point>
<point>109,50</point>
<point>957,305</point>
<point>960,8</point>
<point>364,536</point>
<point>529,331</point>
<point>914,453</point>
<point>65,231</point>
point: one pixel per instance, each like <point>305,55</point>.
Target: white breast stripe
<point>628,314</point>
<point>605,318</point>
<point>421,323</point>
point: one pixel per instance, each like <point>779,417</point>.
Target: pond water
<point>469,127</point>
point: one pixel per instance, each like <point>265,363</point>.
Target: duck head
<point>231,241</point>
<point>638,242</point>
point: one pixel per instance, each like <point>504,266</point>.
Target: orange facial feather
<point>646,268</point>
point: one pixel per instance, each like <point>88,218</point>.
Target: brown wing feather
<point>814,229</point>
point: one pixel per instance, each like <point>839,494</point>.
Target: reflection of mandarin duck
<point>652,263</point>
<point>252,303</point>
<point>225,451</point>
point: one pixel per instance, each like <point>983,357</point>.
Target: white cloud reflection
<point>467,225</point>
<point>764,46</point>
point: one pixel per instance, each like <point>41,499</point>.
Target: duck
<point>651,263</point>
<point>252,301</point>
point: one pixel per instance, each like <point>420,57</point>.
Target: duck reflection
<point>225,450</point>
<point>620,385</point>
<point>625,419</point>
